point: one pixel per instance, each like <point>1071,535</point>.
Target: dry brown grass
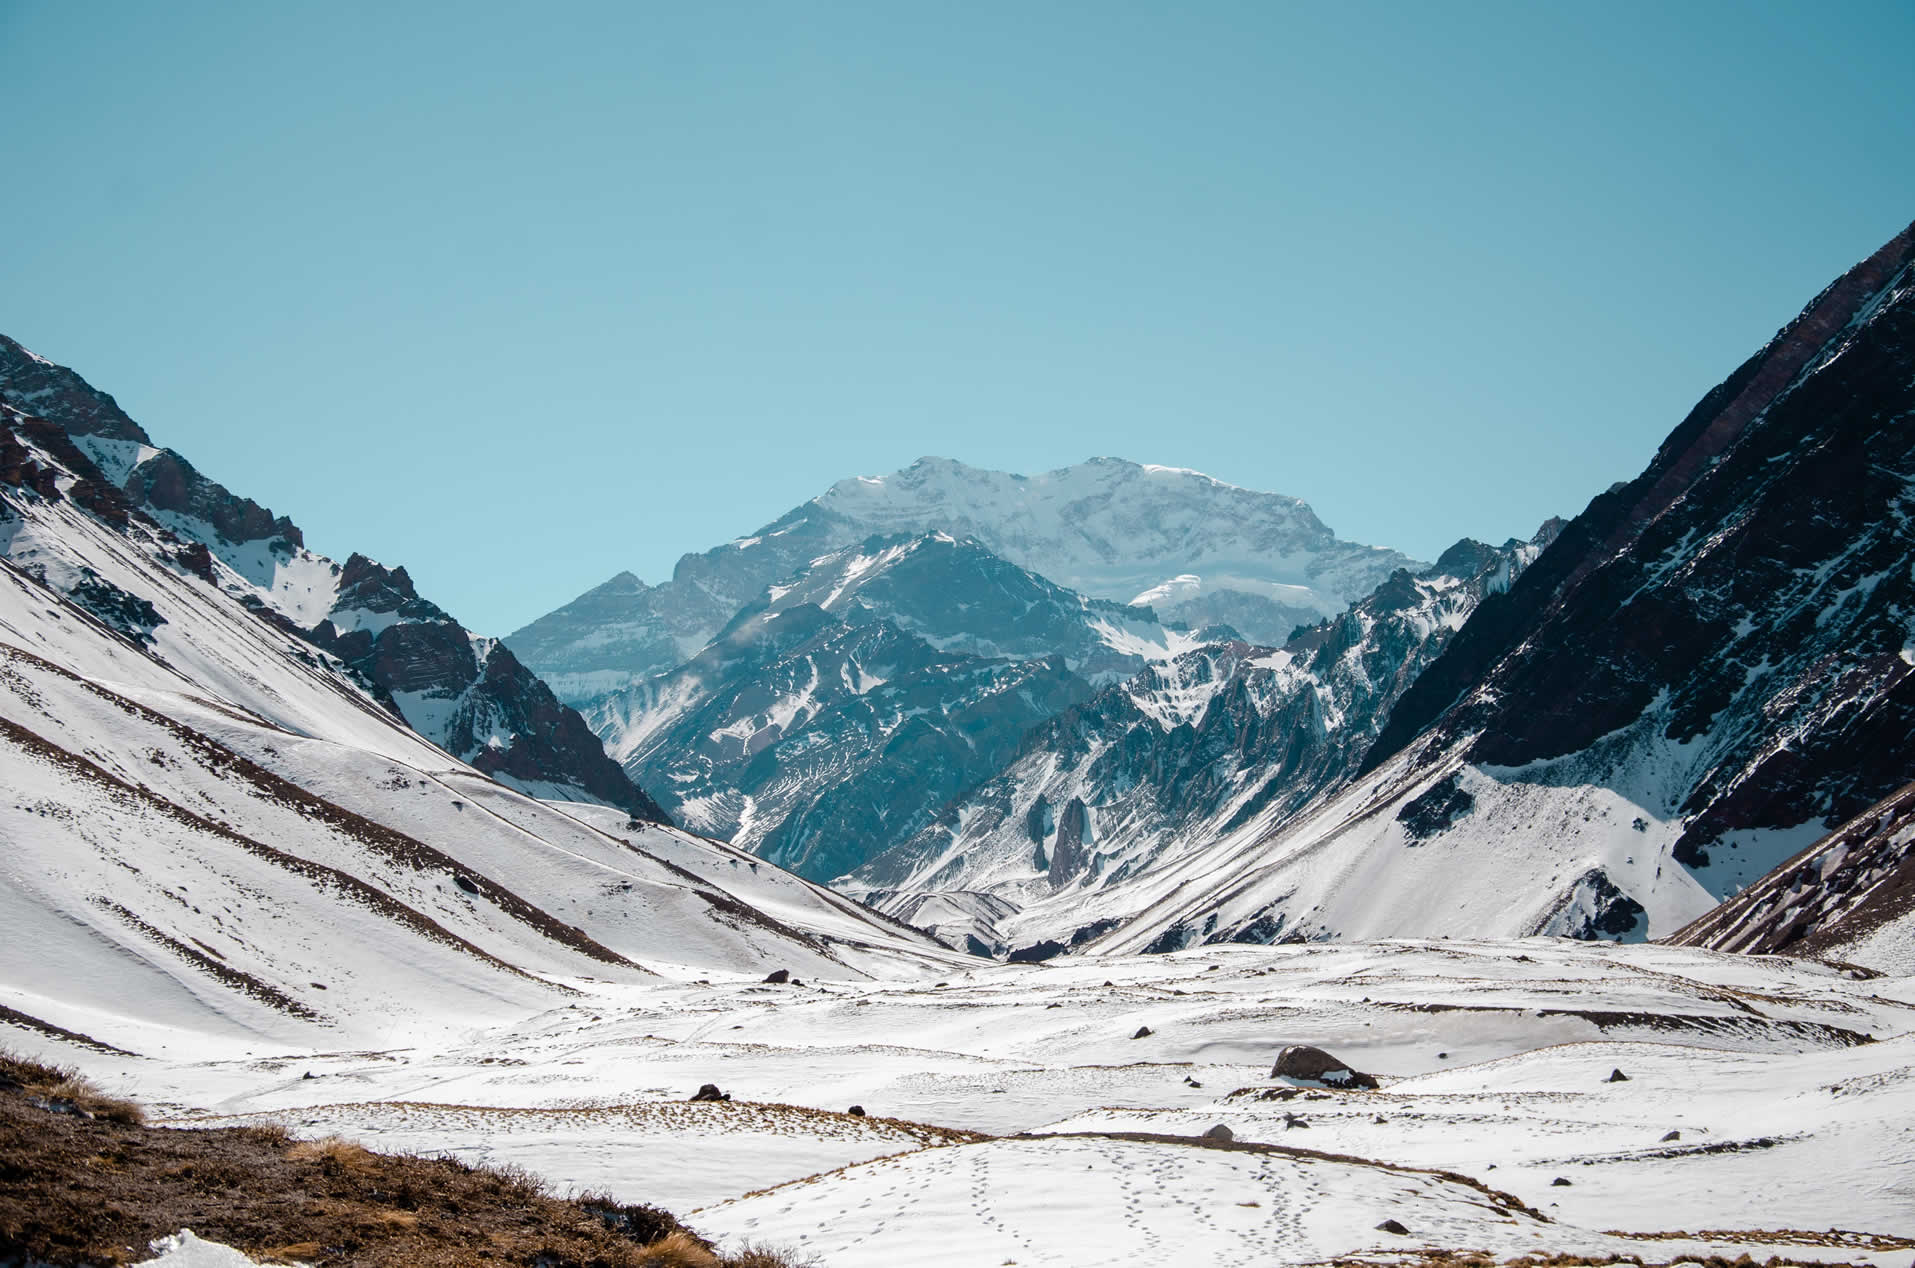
<point>83,1181</point>
<point>63,1089</point>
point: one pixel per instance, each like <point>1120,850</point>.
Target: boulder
<point>1616,1076</point>
<point>856,1111</point>
<point>1669,1136</point>
<point>1314,1065</point>
<point>710,1092</point>
<point>1143,1032</point>
<point>1220,1132</point>
<point>778,977</point>
<point>1391,1226</point>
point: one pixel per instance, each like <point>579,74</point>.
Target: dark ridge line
<point>27,1021</point>
<point>1606,1019</point>
<point>243,982</point>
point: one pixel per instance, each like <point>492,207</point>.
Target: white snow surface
<point>1118,530</point>
<point>184,1250</point>
<point>1790,1085</point>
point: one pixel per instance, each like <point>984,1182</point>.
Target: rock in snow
<point>1314,1065</point>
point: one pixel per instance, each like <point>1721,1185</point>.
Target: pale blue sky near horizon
<point>521,296</point>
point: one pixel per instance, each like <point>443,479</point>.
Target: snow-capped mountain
<point>213,829</point>
<point>959,597</point>
<point>832,717</point>
<point>468,695</point>
<point>1196,550</point>
<point>1051,848</point>
<point>1705,672</point>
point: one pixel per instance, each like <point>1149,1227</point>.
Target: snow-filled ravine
<point>1055,1114</point>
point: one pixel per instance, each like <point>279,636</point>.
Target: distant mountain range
<point>1109,708</point>
<point>1195,550</point>
<point>1134,707</point>
<point>1061,841</point>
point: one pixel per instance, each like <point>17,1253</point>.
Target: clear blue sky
<point>519,296</point>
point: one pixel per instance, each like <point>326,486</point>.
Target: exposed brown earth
<point>84,1182</point>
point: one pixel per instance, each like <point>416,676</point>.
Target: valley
<point>939,874</point>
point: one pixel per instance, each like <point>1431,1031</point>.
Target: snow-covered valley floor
<point>1014,1117</point>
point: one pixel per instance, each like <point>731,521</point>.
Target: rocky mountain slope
<point>1047,850</point>
<point>1850,896</point>
<point>1705,672</point>
<point>466,694</point>
<point>832,717</point>
<point>213,831</point>
<point>1196,550</point>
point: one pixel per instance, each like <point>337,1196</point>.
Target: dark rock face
<point>815,740</point>
<point>1751,583</point>
<point>168,482</point>
<point>426,652</point>
<point>1037,820</point>
<point>1435,810</point>
<point>1037,953</point>
<point>19,470</point>
<point>40,388</point>
<point>130,614</point>
<point>1855,884</point>
<point>1593,907</point>
<point>1314,1065</point>
<point>1071,854</point>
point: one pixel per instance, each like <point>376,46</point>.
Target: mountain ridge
<point>469,695</point>
<point>1269,562</point>
<point>1703,674</point>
